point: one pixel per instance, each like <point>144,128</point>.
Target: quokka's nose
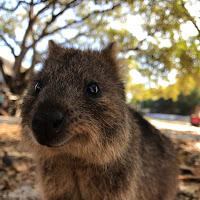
<point>47,124</point>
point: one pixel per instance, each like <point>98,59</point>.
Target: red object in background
<point>195,120</point>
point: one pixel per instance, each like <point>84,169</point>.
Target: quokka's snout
<point>47,123</point>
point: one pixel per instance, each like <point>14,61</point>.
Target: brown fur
<point>105,150</point>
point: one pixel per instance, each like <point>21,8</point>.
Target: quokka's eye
<point>38,87</point>
<point>93,89</point>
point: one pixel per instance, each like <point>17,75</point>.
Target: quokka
<point>87,143</point>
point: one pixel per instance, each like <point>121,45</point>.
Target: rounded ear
<point>111,50</point>
<point>54,49</point>
<point>110,55</point>
<point>51,45</point>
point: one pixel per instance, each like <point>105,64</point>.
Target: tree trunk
<point>16,85</point>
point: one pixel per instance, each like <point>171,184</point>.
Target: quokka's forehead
<point>75,62</point>
<point>86,65</point>
<point>74,68</point>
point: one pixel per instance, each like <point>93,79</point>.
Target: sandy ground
<point>176,129</point>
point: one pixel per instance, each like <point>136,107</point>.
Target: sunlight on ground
<point>176,127</point>
<point>198,145</point>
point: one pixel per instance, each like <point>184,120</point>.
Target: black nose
<point>47,124</point>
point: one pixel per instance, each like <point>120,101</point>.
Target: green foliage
<point>184,105</point>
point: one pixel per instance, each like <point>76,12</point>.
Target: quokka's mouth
<point>54,142</point>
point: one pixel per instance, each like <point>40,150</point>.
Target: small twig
<point>190,17</point>
<point>13,9</point>
<point>11,48</point>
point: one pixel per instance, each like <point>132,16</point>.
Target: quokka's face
<point>75,101</point>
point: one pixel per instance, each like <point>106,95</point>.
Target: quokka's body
<point>87,143</point>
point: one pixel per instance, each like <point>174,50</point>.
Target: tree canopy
<point>150,35</point>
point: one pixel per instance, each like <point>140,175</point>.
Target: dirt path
<point>9,120</point>
<point>177,130</point>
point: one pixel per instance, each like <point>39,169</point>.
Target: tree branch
<point>54,17</point>
<point>32,21</point>
<point>79,21</point>
<point>137,48</point>
<point>90,32</point>
<point>31,10</point>
<point>43,9</point>
<point>23,47</point>
<point>11,48</point>
<point>190,17</point>
<point>33,63</point>
<point>13,9</point>
<point>6,77</point>
<point>130,49</point>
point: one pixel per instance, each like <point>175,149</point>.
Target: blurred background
<point>159,42</point>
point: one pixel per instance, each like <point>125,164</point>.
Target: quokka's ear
<point>110,54</point>
<point>111,50</point>
<point>51,45</point>
<point>54,49</point>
